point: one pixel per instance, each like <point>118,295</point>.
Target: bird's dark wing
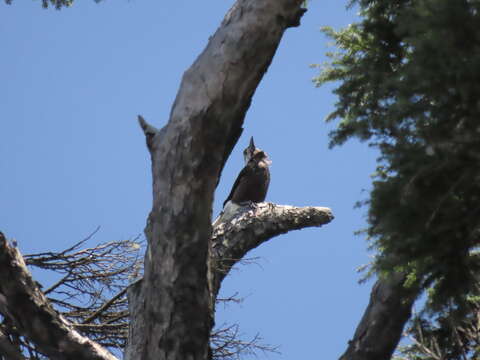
<point>241,178</point>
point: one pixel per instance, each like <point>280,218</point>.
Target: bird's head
<point>254,154</point>
<point>261,156</point>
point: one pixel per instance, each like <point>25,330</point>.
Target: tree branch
<point>249,228</point>
<point>149,131</point>
<point>231,240</point>
<point>104,307</point>
<point>22,302</point>
<point>381,326</point>
<point>7,349</point>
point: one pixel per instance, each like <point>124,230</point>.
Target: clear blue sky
<point>73,156</point>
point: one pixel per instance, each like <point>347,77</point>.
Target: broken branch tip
<point>146,127</point>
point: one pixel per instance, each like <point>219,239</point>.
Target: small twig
<point>104,307</point>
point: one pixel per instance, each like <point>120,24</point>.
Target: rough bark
<point>137,329</point>
<point>231,240</point>
<point>187,157</point>
<point>251,227</point>
<point>381,326</point>
<point>7,349</point>
<point>25,306</point>
<point>172,306</point>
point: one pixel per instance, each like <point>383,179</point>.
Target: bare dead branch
<point>148,129</point>
<point>105,268</point>
<point>227,344</point>
<point>85,293</point>
<point>105,306</point>
<point>105,319</point>
<point>251,227</point>
<point>32,315</point>
<point>230,299</point>
<point>230,242</point>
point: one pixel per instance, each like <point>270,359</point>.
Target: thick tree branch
<point>26,307</point>
<point>7,349</point>
<point>187,158</point>
<point>251,227</point>
<point>90,279</point>
<point>381,326</point>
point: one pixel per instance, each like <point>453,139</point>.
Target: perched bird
<point>251,184</point>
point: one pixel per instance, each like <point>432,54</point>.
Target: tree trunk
<point>381,326</point>
<point>172,308</point>
<point>230,242</point>
<point>187,157</point>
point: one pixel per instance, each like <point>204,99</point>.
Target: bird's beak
<point>252,145</point>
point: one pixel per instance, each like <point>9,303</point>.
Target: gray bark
<point>187,157</point>
<point>172,307</point>
<point>381,326</point>
<point>231,240</point>
<point>25,306</point>
<point>251,227</point>
<point>137,328</point>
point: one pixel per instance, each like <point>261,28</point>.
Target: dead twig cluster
<point>444,339</point>
<point>227,344</point>
<point>91,294</point>
<point>90,291</point>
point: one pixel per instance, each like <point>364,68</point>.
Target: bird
<point>252,182</point>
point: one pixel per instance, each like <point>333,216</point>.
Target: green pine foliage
<point>57,4</point>
<point>408,79</point>
<point>448,335</point>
